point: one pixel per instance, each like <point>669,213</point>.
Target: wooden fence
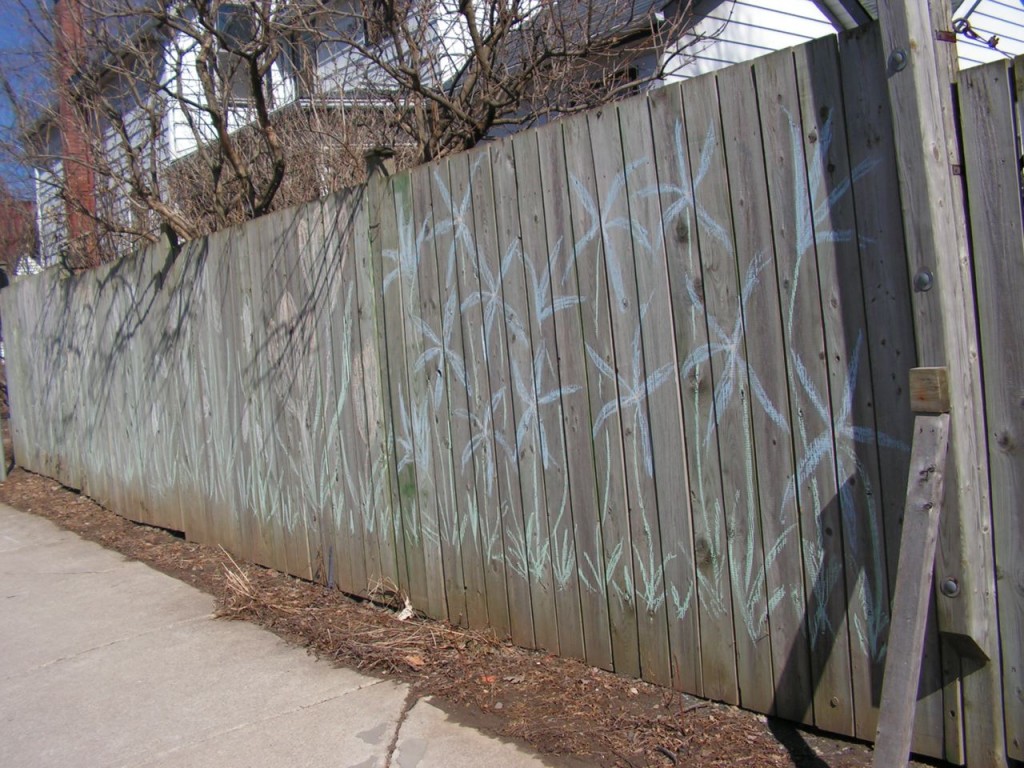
<point>992,123</point>
<point>631,387</point>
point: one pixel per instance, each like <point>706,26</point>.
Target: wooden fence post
<point>945,325</point>
<point>929,399</point>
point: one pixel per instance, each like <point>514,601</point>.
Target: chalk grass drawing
<point>731,345</point>
<point>633,390</point>
<point>279,369</point>
<point>490,297</point>
<point>602,229</point>
<point>679,200</point>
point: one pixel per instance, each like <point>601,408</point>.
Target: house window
<point>236,28</point>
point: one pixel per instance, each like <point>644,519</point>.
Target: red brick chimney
<point>80,188</point>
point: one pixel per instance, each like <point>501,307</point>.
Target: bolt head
<point>923,280</point>
<point>950,587</point>
<point>898,60</point>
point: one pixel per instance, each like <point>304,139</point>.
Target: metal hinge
<point>945,36</point>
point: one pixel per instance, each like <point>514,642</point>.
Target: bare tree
<point>184,116</point>
<point>449,73</point>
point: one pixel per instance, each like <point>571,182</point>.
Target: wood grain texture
<point>542,392</point>
<point>571,359</point>
<point>632,387</point>
<point>993,188</point>
<point>890,344</point>
<point>705,239</point>
<point>449,359</point>
<point>653,185</point>
<point>615,568</point>
<point>636,376</point>
<point>929,390</point>
<point>532,542</point>
<point>913,589</point>
<point>814,489</point>
<point>947,335</point>
<point>479,453</point>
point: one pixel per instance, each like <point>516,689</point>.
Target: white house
<point>723,32</point>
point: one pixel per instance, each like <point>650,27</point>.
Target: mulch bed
<point>560,707</point>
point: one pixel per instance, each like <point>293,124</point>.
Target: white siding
<point>50,213</point>
<point>1003,18</point>
<point>114,193</point>
<point>732,31</point>
<point>184,135</point>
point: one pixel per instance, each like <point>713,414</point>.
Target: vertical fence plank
<point>462,178</point>
<point>857,441</point>
<point>814,486</point>
<point>616,568</point>
<point>380,509</point>
<point>162,478</point>
<point>135,276</point>
<point>532,543</point>
<point>319,410</point>
<point>48,377</point>
<point>390,272</point>
<point>672,232</point>
<point>429,324</point>
<point>219,404</point>
<point>125,395</point>
<point>545,388</point>
<point>414,239</point>
<point>668,568</point>
<point>451,222</point>
<point>632,378</point>
<point>765,374</point>
<point>268,495</point>
<point>492,265</point>
<point>177,329</point>
<point>290,377</point>
<point>250,477</point>
<point>993,188</point>
<point>706,245</point>
<point>570,354</point>
<point>890,343</point>
<point>12,309</point>
<point>346,448</point>
<point>721,292</point>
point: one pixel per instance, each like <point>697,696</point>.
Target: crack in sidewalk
<point>411,699</point>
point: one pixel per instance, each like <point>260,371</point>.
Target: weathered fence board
<point>708,241</point>
<point>997,236</point>
<point>633,378</point>
<point>569,357</point>
<point>813,488</point>
<point>498,424</point>
<point>641,130</point>
<point>889,330</point>
<point>857,441</point>
<point>542,389</point>
<point>447,354</point>
<point>479,452</point>
<point>532,540</point>
<point>631,387</point>
<point>614,567</point>
<point>723,291</point>
<point>428,371</point>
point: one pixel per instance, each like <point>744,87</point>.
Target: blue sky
<point>15,37</point>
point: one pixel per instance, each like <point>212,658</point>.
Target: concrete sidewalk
<point>105,662</point>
